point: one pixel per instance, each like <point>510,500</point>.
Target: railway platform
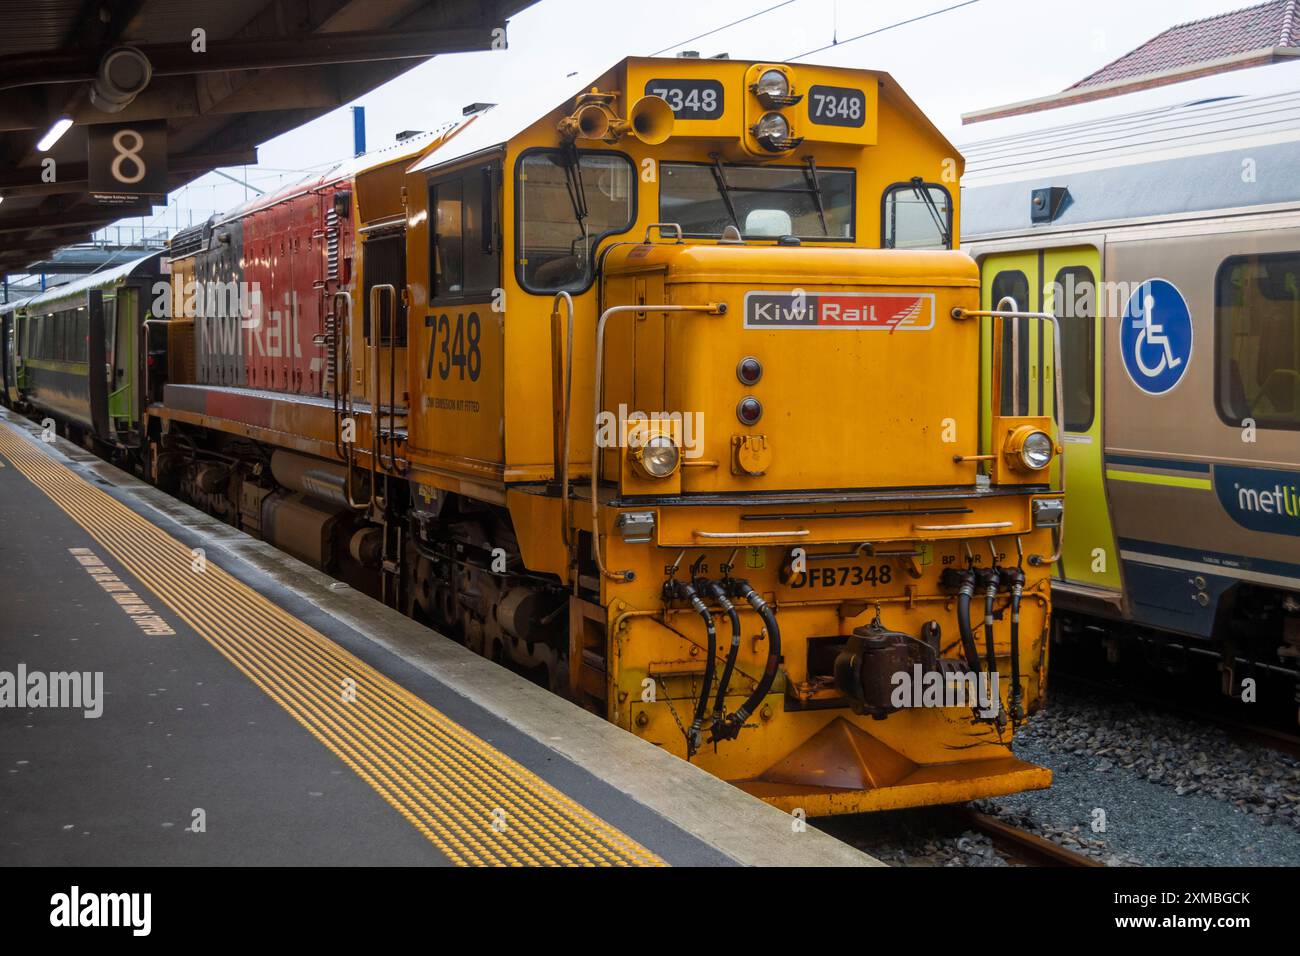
<point>173,691</point>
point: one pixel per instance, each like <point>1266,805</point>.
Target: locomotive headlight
<point>1036,452</point>
<point>658,457</point>
<point>1029,448</point>
<point>772,89</point>
<point>772,132</point>
<point>772,83</point>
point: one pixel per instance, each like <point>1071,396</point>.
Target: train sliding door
<point>1064,282</point>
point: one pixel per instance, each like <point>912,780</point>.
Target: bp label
<point>1155,336</point>
<point>879,311</point>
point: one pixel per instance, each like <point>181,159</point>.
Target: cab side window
<point>916,215</point>
<point>464,254</point>
<point>568,200</point>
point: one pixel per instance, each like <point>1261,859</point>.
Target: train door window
<point>1075,304</point>
<point>384,263</point>
<point>567,202</point>
<point>916,215</point>
<point>1257,340</point>
<point>464,252</point>
<point>1015,341</point>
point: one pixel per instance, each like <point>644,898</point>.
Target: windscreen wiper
<point>918,186</point>
<point>724,190</point>
<point>815,187</point>
<point>572,164</point>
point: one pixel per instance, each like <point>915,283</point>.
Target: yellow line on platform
<point>474,803</point>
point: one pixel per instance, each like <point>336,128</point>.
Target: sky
<point>984,53</point>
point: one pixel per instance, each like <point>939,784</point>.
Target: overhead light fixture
<point>61,126</point>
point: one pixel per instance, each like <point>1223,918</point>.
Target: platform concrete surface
<point>255,711</point>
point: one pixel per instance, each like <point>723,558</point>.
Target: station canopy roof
<point>267,66</point>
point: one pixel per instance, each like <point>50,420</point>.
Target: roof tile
<point>1261,27</point>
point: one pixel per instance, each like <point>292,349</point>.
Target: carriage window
<point>61,336</point>
<point>763,202</point>
<point>1015,340</point>
<point>917,215</point>
<point>1074,303</point>
<point>565,209</point>
<point>1257,340</point>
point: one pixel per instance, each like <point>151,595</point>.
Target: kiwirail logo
<point>77,909</point>
<point>21,689</point>
<point>209,299</point>
<point>932,688</point>
<point>879,311</point>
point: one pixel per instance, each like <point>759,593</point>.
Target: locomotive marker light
<point>749,370</point>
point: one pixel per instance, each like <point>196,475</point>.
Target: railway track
<point>1021,846</point>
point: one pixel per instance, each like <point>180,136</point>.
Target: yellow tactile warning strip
<point>474,803</point>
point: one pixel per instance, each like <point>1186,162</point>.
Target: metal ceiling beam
<point>250,53</point>
<point>76,216</point>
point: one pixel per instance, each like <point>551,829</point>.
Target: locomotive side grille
<point>331,348</point>
<point>331,245</point>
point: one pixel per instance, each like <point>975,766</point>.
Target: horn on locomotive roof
<point>650,120</point>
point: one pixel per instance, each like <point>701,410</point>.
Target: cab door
<point>1065,282</point>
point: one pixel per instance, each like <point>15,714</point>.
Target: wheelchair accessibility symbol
<point>1155,336</point>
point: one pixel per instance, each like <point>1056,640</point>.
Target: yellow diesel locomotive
<point>664,389</point>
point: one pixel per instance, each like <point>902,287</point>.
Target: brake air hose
<point>731,725</point>
<point>991,578</point>
<point>1015,578</point>
<point>964,594</point>
<point>719,703</point>
<point>688,592</point>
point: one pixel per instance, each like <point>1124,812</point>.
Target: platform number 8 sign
<point>127,161</point>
